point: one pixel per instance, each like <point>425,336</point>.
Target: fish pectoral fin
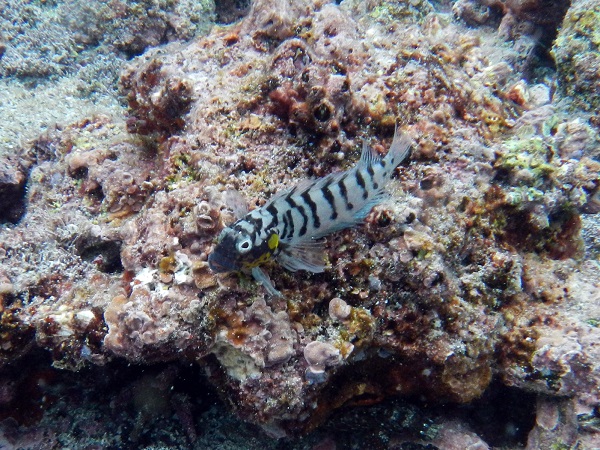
<point>263,278</point>
<point>308,256</point>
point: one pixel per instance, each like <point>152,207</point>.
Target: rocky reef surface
<point>473,290</point>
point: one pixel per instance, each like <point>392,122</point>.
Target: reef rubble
<point>474,272</point>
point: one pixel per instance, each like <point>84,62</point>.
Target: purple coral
<point>320,356</point>
<point>339,309</point>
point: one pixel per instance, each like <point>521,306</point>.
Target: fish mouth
<point>218,264</point>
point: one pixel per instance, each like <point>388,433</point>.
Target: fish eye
<point>244,245</point>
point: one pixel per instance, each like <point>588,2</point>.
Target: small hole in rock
<point>230,11</point>
<point>426,184</point>
<point>106,255</point>
<point>79,173</point>
<point>322,113</point>
<point>12,201</point>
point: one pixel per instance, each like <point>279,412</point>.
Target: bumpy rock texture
<point>41,39</point>
<point>577,53</point>
<point>472,271</point>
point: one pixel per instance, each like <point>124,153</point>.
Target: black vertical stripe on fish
<point>370,171</point>
<point>302,212</point>
<point>304,226</point>
<point>344,192</point>
<point>272,209</point>
<point>255,222</point>
<point>313,208</point>
<point>361,182</point>
<point>286,227</point>
<point>290,220</point>
<point>328,196</point>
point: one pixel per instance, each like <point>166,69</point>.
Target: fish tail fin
<point>399,149</point>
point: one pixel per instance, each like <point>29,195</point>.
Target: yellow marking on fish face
<point>273,242</point>
<point>262,259</point>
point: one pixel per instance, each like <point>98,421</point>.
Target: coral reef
<point>51,38</point>
<point>530,26</point>
<point>60,60</point>
<point>576,51</point>
<point>473,278</point>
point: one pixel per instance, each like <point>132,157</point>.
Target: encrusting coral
<point>576,52</point>
<point>462,276</point>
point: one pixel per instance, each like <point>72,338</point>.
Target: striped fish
<point>288,226</point>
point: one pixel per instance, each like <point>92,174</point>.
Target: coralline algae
<point>471,272</point>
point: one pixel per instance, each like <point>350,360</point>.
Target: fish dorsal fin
<point>399,149</point>
<point>368,156</point>
<point>308,256</point>
<point>298,188</point>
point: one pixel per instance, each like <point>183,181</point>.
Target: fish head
<point>236,250</point>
